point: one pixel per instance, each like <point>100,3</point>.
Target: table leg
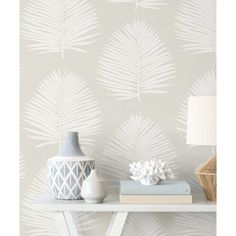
<point>61,224</point>
<point>117,223</point>
<point>71,223</point>
<point>65,224</point>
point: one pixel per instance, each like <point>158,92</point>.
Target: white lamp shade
<point>201,121</point>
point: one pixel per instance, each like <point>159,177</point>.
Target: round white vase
<point>93,188</point>
<point>68,169</point>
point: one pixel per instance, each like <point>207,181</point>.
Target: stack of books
<point>167,192</point>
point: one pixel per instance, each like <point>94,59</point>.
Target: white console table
<point>62,210</point>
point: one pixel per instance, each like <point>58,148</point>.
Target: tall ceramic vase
<point>68,169</point>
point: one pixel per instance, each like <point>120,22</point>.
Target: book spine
<point>142,199</point>
<point>140,190</point>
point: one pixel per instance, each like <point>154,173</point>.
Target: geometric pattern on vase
<point>66,177</point>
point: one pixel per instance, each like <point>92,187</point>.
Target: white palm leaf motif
<point>143,224</point>
<point>137,139</point>
<point>22,166</point>
<point>196,25</point>
<point>39,222</point>
<point>134,62</point>
<point>204,86</point>
<point>42,222</point>
<point>62,102</point>
<point>54,26</point>
<point>148,4</point>
<point>197,224</point>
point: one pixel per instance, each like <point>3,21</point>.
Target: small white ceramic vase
<point>93,188</point>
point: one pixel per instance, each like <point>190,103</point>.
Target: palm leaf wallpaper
<point>195,25</point>
<point>144,224</point>
<point>197,224</point>
<point>203,86</point>
<point>135,62</point>
<point>119,72</point>
<point>62,102</point>
<point>40,222</point>
<point>137,139</point>
<point>22,166</point>
<point>148,4</point>
<point>54,26</point>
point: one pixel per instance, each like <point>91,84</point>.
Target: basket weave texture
<point>206,175</point>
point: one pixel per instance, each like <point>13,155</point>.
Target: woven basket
<point>207,177</point>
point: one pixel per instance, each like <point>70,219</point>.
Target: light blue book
<point>171,187</point>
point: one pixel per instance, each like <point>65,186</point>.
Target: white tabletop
<point>111,204</point>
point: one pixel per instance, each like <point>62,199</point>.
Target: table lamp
<point>201,130</point>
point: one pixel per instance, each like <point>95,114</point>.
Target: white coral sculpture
<point>150,172</point>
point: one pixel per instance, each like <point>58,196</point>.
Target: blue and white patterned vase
<point>68,169</point>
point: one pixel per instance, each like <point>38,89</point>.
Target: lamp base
<point>206,175</point>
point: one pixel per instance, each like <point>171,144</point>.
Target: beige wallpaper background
<point>117,63</point>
